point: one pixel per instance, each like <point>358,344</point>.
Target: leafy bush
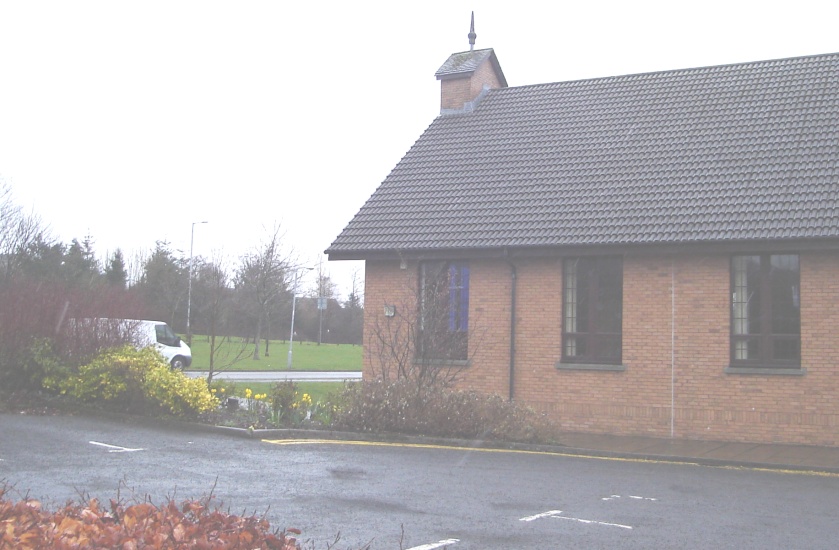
<point>223,388</point>
<point>177,393</point>
<point>37,360</point>
<point>404,407</point>
<point>282,400</point>
<point>280,405</point>
<point>290,408</point>
<point>136,381</point>
<point>285,408</point>
<point>193,524</point>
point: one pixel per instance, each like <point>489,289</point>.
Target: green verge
<point>307,356</point>
<point>319,391</point>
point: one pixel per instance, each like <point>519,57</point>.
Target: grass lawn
<point>307,356</point>
<point>319,391</point>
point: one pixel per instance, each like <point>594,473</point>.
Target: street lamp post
<point>189,287</point>
<point>293,307</point>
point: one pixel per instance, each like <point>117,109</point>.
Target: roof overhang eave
<point>511,252</point>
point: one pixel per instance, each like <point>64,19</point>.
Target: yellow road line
<point>778,470</point>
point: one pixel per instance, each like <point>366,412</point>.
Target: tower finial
<point>472,35</point>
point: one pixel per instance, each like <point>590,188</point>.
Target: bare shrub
<point>427,336</point>
<point>416,350</point>
<point>380,406</point>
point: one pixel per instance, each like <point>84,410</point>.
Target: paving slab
<point>731,451</point>
<point>783,456</point>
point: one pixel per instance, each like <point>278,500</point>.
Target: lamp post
<point>189,287</point>
<point>293,307</point>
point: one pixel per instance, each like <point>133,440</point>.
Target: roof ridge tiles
<point>690,71</point>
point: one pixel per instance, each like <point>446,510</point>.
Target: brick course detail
<point>676,331</point>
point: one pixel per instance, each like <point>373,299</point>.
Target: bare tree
<point>261,282</point>
<point>18,232</point>
<point>324,291</point>
<point>354,309</point>
<point>212,299</point>
<point>134,267</point>
<point>424,334</point>
<point>357,289</point>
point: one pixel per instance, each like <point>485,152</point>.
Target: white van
<point>164,339</point>
<point>142,333</point>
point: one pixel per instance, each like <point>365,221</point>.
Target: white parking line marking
<point>115,448</point>
<point>615,497</point>
<point>434,545</point>
<point>543,515</point>
<point>579,520</point>
<point>555,514</point>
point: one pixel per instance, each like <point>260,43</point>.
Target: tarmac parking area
<point>422,497</point>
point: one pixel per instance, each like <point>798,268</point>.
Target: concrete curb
<point>558,449</point>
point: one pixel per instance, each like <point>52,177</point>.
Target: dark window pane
<point>754,294</point>
<point>592,309</point>
<point>444,311</point>
<point>583,296</point>
<point>785,303</point>
<point>458,305</point>
<point>766,318</point>
<point>610,296</point>
<point>787,349</point>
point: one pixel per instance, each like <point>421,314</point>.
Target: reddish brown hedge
<point>192,524</point>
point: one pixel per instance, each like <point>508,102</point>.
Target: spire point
<point>472,35</point>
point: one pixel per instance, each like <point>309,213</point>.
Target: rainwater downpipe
<point>513,279</point>
<point>672,348</point>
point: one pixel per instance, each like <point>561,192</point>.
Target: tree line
<point>250,298</point>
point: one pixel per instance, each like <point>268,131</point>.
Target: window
<point>444,311</point>
<point>592,310</point>
<point>166,336</point>
<point>765,312</point>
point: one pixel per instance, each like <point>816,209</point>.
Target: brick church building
<point>652,254</point>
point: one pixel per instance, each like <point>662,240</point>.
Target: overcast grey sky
<point>128,121</point>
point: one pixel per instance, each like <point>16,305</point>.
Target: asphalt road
<point>420,497</point>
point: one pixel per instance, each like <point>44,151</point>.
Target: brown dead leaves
<point>193,525</point>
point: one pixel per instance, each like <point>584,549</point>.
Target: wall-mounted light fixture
<point>390,311</point>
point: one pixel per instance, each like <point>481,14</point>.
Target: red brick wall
<point>387,284</point>
<point>676,318</point>
<point>457,91</point>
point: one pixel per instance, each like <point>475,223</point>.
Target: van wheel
<point>178,362</point>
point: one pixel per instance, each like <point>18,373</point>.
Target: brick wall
<point>387,284</point>
<point>457,91</point>
<point>676,318</point>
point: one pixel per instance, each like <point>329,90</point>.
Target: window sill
<point>590,366</point>
<point>776,371</point>
<point>444,362</point>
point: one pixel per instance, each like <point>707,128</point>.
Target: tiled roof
<point>728,153</point>
<point>465,63</point>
